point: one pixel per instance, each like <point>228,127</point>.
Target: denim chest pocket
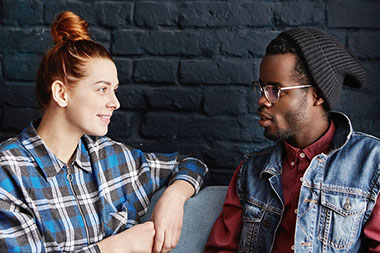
<point>340,218</point>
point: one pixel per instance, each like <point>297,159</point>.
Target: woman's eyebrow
<point>102,81</point>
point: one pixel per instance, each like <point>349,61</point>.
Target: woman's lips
<point>105,118</point>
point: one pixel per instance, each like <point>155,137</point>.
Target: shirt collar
<point>322,145</point>
<point>45,158</point>
<point>81,157</point>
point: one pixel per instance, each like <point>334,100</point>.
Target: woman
<point>62,190</point>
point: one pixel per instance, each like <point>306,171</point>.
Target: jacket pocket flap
<point>344,204</point>
<point>252,213</point>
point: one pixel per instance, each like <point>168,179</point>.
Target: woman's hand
<point>168,215</point>
<point>138,238</point>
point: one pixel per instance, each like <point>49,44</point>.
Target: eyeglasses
<point>272,93</point>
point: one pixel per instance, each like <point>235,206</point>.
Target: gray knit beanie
<point>330,64</point>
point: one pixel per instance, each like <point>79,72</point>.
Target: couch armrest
<point>200,214</point>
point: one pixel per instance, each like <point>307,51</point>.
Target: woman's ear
<point>59,93</point>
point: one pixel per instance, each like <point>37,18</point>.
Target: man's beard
<point>295,121</point>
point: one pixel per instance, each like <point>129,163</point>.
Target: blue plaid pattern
<point>47,206</point>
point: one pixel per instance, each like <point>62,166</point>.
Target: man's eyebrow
<point>271,83</point>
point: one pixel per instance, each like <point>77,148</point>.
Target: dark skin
<point>298,116</point>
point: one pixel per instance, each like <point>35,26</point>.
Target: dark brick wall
<point>185,67</point>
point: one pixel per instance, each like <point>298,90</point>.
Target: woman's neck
<point>54,131</point>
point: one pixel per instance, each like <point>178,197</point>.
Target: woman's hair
<point>66,60</point>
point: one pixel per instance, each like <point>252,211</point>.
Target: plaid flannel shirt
<point>47,206</point>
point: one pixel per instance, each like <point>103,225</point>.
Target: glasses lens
<point>271,93</point>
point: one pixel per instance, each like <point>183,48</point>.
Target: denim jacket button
<point>266,223</point>
<point>347,207</point>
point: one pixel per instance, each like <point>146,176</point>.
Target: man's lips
<point>264,116</point>
<point>265,119</point>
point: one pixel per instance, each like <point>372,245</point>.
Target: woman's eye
<point>103,89</point>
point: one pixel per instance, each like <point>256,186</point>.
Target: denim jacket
<point>338,193</point>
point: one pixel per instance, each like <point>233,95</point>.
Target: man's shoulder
<point>268,150</point>
<point>366,137</point>
<point>365,141</point>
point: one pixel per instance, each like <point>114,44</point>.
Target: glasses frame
<point>280,90</point>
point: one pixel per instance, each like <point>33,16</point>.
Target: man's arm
<point>372,229</point>
<point>225,234</point>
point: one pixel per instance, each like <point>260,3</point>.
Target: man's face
<point>289,116</point>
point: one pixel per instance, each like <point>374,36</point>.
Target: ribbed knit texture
<point>330,64</point>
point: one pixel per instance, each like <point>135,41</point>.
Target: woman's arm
<point>168,215</point>
<point>186,178</point>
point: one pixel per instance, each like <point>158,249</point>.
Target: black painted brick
<point>373,76</point>
<point>246,43</point>
<point>113,14</point>
<point>161,126</point>
<point>224,14</point>
<point>300,13</point>
<point>123,125</point>
<point>364,112</point>
<point>1,71</point>
<point>353,14</point>
<point>365,44</point>
<point>179,43</point>
<point>151,14</point>
<point>21,12</point>
<point>26,40</point>
<point>16,119</point>
<point>225,101</point>
<point>216,72</point>
<point>21,67</point>
<point>132,98</point>
<point>17,96</point>
<point>155,70</point>
<point>84,9</point>
<point>169,126</point>
<point>229,154</point>
<point>124,69</point>
<point>101,36</point>
<point>175,99</point>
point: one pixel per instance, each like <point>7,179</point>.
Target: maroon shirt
<point>225,234</point>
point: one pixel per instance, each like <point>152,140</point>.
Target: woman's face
<point>92,101</point>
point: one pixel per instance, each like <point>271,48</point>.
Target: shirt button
<point>292,163</point>
<point>295,211</point>
<point>301,179</point>
<point>302,155</point>
<point>292,247</point>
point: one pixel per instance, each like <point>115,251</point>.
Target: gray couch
<point>200,214</point>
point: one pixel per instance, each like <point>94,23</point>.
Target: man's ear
<point>318,99</point>
<point>59,93</point>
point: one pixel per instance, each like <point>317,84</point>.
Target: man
<point>316,190</point>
